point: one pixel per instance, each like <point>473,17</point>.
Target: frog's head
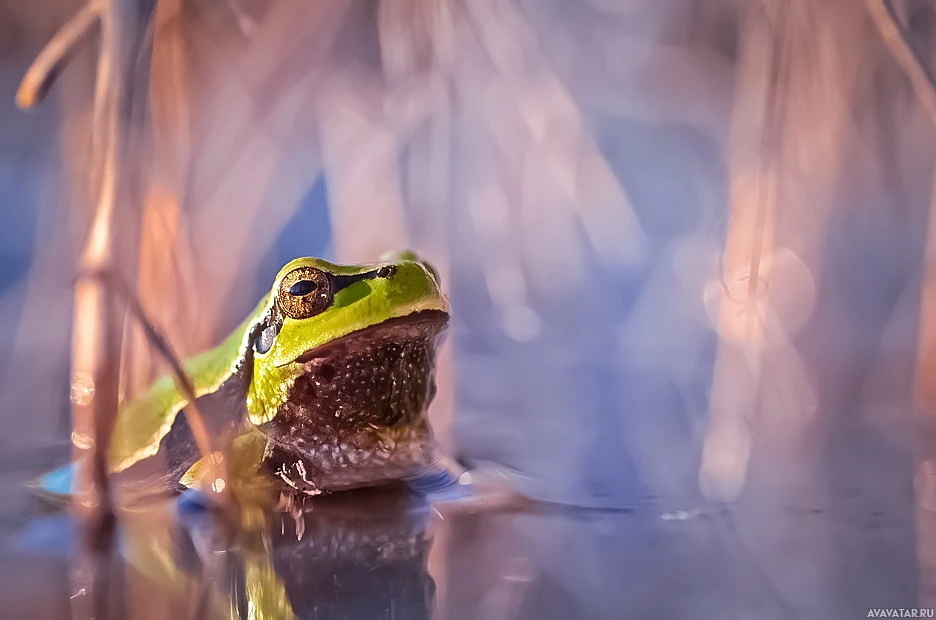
<point>337,349</point>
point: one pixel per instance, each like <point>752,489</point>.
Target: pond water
<point>423,551</point>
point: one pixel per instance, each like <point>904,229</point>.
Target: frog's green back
<point>143,422</point>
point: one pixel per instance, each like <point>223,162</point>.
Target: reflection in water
<point>366,554</point>
<point>359,554</point>
<point>357,559</point>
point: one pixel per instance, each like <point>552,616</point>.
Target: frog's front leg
<point>294,471</point>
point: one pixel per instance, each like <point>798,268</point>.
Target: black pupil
<point>302,287</point>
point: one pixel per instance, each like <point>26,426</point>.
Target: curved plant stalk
<point>181,378</point>
<point>98,314</point>
<point>895,37</point>
<point>55,55</point>
<point>98,319</point>
<point>102,297</point>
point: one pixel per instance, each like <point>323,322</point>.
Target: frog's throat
<point>359,403</point>
<point>273,392</point>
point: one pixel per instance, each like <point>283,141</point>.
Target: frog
<point>329,379</point>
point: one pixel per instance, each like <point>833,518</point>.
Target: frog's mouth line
<point>437,317</point>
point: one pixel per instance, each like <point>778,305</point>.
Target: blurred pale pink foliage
<point>496,137</point>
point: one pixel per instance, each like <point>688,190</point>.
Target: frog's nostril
<point>386,271</point>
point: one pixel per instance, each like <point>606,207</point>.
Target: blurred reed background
<point>689,245</point>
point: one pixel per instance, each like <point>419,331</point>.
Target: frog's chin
<point>356,411</point>
<point>435,320</point>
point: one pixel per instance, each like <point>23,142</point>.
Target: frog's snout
<point>412,256</point>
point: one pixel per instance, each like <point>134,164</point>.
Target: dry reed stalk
<point>55,55</point>
<point>783,190</point>
<point>236,145</point>
<point>98,320</point>
<point>98,314</point>
<point>165,265</point>
<point>885,18</point>
<point>753,196</point>
<point>925,388</point>
<point>887,21</point>
<point>101,303</point>
<point>180,377</point>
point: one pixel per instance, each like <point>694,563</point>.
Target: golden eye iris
<point>304,292</point>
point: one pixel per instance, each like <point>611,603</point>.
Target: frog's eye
<point>304,292</point>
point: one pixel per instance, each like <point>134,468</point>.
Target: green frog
<point>331,376</point>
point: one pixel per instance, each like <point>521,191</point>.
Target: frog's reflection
<point>357,554</point>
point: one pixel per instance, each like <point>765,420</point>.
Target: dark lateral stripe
<point>343,281</point>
